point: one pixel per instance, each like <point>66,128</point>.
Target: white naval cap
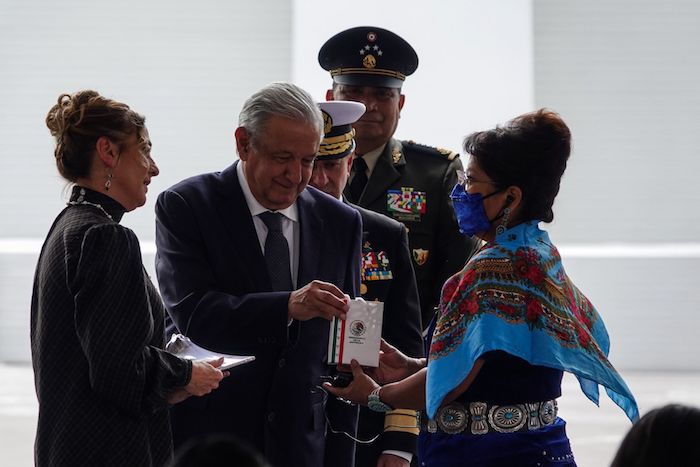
<point>338,117</point>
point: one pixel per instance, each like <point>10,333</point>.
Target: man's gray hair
<point>284,100</point>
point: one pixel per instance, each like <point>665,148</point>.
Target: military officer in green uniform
<point>387,276</point>
<point>407,181</point>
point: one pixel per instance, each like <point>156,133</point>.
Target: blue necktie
<point>277,252</point>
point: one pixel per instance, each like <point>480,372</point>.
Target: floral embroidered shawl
<point>514,295</point>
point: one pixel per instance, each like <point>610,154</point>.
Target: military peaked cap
<point>368,56</point>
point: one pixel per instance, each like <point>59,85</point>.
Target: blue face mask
<point>469,210</point>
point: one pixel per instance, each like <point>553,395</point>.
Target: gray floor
<point>595,432</point>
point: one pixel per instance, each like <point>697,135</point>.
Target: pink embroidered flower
<point>534,310</point>
<point>448,290</point>
<point>469,277</point>
<point>535,274</point>
<point>562,336</point>
<point>472,305</point>
<point>530,255</point>
<point>437,346</point>
<point>520,267</point>
<point>585,320</point>
<point>584,338</point>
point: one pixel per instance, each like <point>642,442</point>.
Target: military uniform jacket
<point>97,334</point>
<point>412,183</point>
<point>214,281</point>
<point>388,277</point>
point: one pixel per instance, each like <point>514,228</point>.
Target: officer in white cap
<point>387,276</point>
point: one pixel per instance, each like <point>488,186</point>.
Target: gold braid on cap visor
<point>368,71</point>
<point>336,145</point>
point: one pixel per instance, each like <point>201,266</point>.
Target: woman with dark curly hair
<point>509,324</point>
<point>97,323</point>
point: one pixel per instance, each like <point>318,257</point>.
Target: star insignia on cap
<point>368,48</point>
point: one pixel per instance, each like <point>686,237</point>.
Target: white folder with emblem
<point>358,336</point>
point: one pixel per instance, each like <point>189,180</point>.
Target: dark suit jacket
<point>401,323</point>
<point>438,248</point>
<point>216,288</point>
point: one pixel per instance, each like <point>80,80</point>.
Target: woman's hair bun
<point>77,120</point>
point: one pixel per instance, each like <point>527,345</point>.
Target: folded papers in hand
<point>183,347</point>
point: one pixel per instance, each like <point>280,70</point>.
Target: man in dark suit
<point>387,276</point>
<point>250,261</point>
<point>404,180</point>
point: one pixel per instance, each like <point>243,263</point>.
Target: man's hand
<point>390,460</point>
<point>318,299</point>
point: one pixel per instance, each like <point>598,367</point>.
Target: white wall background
<point>186,66</point>
<point>189,66</point>
<point>624,74</point>
<point>475,65</point>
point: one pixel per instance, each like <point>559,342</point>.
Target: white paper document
<point>183,347</point>
<point>358,336</point>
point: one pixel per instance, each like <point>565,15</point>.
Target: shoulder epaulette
<point>446,153</point>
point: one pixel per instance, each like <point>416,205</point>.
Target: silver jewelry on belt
<point>485,418</point>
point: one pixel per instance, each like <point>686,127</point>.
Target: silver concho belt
<point>485,418</point>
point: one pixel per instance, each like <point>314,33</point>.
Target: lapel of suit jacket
<point>384,173</point>
<point>310,238</point>
<point>236,216</point>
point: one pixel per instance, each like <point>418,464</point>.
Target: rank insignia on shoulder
<point>442,152</point>
<point>406,204</point>
<point>375,266</point>
<point>420,256</point>
<point>450,155</point>
<point>395,155</point>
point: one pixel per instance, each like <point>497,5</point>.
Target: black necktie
<point>277,252</point>
<point>359,180</point>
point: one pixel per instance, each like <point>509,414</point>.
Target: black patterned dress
<point>97,330</point>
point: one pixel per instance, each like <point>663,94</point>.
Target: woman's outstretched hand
<point>393,365</point>
<point>206,377</point>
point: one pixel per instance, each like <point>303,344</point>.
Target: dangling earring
<point>504,223</point>
<point>108,183</point>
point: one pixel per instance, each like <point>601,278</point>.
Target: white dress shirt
<point>371,159</point>
<point>290,223</point>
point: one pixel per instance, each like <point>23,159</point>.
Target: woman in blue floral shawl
<point>510,323</point>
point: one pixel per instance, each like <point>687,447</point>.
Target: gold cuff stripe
<point>402,420</point>
<point>409,412</point>
<point>368,71</point>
